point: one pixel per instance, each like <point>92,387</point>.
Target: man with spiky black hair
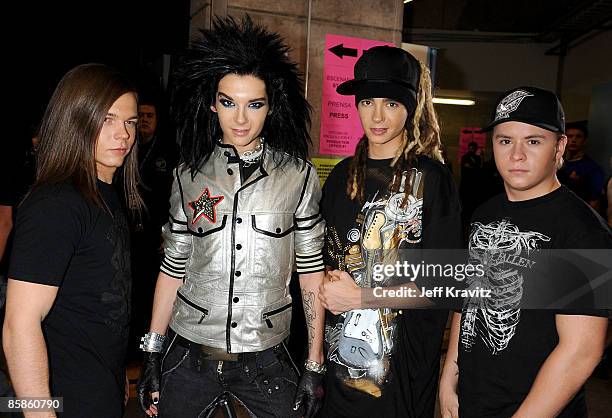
<point>244,206</point>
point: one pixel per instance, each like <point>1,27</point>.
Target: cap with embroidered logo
<point>531,105</point>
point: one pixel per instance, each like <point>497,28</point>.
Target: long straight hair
<point>70,128</point>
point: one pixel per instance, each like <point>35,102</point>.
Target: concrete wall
<point>587,65</point>
<point>599,144</point>
<point>493,67</point>
<point>359,18</point>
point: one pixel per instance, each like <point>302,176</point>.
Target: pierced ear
<point>213,108</point>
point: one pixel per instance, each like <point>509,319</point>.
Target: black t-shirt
<point>63,240</point>
<point>502,347</point>
<point>409,387</point>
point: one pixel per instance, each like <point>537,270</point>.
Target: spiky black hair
<point>241,48</point>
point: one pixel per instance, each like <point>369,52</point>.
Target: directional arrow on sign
<point>341,51</point>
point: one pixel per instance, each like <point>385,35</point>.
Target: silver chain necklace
<point>252,156</point>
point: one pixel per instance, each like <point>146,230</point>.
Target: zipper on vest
<point>193,305</point>
<point>266,315</point>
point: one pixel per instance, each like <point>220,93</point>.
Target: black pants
<point>265,382</point>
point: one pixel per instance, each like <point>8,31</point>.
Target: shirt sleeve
<point>442,230</point>
<point>326,203</point>
<point>442,219</point>
<point>47,232</point>
<point>309,225</point>
<point>176,236</point>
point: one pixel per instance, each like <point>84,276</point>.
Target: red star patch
<point>205,206</point>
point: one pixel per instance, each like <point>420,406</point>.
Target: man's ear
<point>561,143</point>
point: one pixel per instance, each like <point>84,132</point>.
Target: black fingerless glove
<point>150,376</point>
<point>310,393</point>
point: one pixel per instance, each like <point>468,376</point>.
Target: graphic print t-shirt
<point>501,346</point>
<point>402,381</point>
<point>63,240</point>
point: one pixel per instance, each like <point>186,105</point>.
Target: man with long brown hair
<point>68,298</point>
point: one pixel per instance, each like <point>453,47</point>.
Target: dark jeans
<point>265,382</point>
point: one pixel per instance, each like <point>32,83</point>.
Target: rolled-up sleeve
<point>309,226</point>
<point>177,239</point>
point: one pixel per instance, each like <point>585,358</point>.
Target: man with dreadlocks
<point>396,195</point>
<point>244,205</point>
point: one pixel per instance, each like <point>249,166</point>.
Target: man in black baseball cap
<point>506,361</point>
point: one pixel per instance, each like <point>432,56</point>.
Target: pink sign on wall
<point>468,135</point>
<point>340,126</point>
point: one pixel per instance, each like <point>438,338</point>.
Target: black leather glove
<point>150,376</point>
<point>310,393</point>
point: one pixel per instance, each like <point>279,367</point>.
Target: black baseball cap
<point>384,71</point>
<point>531,105</point>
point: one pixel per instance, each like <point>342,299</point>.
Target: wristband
<point>313,366</point>
<point>152,342</point>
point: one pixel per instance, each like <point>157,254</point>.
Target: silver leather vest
<point>236,243</point>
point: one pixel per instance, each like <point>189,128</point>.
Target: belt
<point>207,353</point>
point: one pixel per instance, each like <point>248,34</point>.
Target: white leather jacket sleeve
<point>309,226</point>
<point>177,239</point>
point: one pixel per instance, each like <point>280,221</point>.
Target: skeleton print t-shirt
<point>501,346</point>
<point>383,362</point>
